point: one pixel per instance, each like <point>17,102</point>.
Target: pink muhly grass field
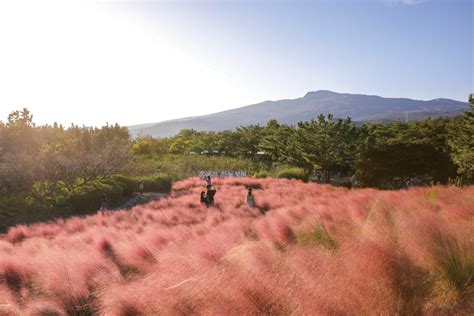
<point>305,249</point>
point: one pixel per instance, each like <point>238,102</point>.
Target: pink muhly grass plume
<point>16,234</point>
<point>304,249</point>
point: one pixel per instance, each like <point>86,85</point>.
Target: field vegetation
<point>305,249</point>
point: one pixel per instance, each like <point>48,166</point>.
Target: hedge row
<point>90,196</point>
<point>293,173</point>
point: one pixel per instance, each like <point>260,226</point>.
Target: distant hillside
<point>361,108</point>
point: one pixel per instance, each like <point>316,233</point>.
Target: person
<point>140,188</point>
<point>353,180</point>
<point>250,198</point>
<point>104,204</point>
<point>407,184</point>
<point>319,178</point>
<point>210,194</point>
<point>208,181</point>
<point>203,198</point>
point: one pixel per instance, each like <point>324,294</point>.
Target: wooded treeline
<point>47,159</point>
<point>57,167</point>
<point>440,150</point>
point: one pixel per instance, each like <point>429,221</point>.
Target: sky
<point>134,62</point>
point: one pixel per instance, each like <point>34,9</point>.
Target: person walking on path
<point>250,198</point>
<point>208,181</point>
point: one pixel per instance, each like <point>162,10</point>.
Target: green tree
<point>248,140</point>
<point>394,163</point>
<point>185,141</point>
<point>326,143</point>
<point>461,143</point>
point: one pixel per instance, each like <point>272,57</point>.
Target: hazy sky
<point>136,62</point>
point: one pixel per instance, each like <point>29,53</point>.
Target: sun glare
<point>89,62</point>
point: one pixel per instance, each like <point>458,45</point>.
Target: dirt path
<point>138,199</point>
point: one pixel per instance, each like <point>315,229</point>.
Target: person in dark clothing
<point>210,194</point>
<point>104,204</point>
<point>203,198</point>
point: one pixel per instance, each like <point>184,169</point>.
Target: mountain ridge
<point>360,107</point>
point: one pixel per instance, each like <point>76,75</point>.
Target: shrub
<point>183,166</point>
<point>261,174</point>
<point>293,173</point>
<point>156,183</point>
<point>88,197</point>
<point>130,185</point>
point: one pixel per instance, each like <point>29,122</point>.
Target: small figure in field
<point>208,181</point>
<point>210,194</point>
<point>407,184</point>
<point>104,204</point>
<point>140,188</point>
<point>415,181</point>
<point>204,198</point>
<point>250,198</point>
<point>319,176</point>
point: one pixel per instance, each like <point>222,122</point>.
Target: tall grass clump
<point>319,236</point>
<point>455,259</point>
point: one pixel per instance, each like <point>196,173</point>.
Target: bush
<point>184,166</point>
<point>261,174</point>
<point>130,185</point>
<point>89,197</point>
<point>293,173</point>
<point>156,183</point>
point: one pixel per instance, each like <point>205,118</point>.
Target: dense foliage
<point>49,171</point>
<point>305,249</point>
<point>46,168</point>
<point>435,150</point>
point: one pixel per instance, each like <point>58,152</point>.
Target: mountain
<point>361,108</point>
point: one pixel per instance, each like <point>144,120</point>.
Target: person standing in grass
<point>250,198</point>
<point>208,181</point>
<point>204,198</point>
<point>104,204</point>
<point>210,194</point>
<point>140,187</point>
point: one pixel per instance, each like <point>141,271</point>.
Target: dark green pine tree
<point>461,142</point>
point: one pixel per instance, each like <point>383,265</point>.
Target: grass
<point>455,260</point>
<point>314,250</point>
<point>319,236</point>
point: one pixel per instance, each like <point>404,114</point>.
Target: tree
<point>461,143</point>
<point>184,142</point>
<point>394,163</point>
<point>228,142</point>
<point>276,142</point>
<point>19,134</point>
<point>248,140</point>
<point>326,144</point>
